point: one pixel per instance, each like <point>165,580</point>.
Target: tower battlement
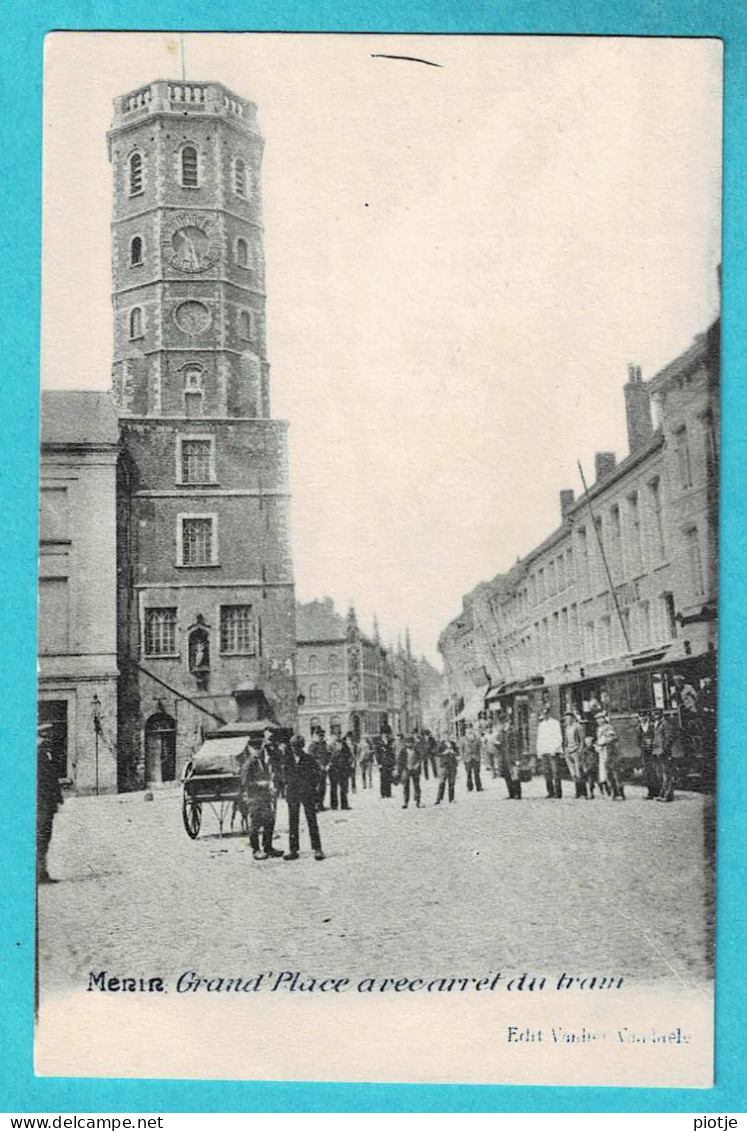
<point>178,97</point>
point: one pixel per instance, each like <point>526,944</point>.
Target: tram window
<point>617,689</point>
<point>657,687</point>
<point>636,698</point>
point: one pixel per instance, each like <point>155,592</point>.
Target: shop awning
<point>474,703</point>
<point>494,693</point>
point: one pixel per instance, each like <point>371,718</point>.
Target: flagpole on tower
<point>181,43</point>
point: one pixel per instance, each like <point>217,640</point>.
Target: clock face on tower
<point>191,242</point>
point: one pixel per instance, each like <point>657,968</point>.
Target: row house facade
<point>621,598</point>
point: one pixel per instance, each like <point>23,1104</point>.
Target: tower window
<point>197,540</point>
<point>196,459</point>
<point>239,177</point>
<point>246,325</point>
<point>136,251</point>
<point>237,630</point>
<point>136,174</point>
<point>160,632</point>
<point>242,252</point>
<point>136,322</point>
<point>189,167</point>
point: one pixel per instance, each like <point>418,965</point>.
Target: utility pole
<point>604,559</point>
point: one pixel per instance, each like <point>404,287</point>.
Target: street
<point>485,884</point>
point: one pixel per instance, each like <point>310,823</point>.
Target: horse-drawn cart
<point>213,778</point>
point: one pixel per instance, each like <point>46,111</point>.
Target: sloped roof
<point>317,621</point>
<point>78,417</point>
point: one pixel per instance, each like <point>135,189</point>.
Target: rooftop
<point>78,417</point>
<point>318,621</point>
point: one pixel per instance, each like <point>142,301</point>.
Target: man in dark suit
<point>662,750</point>
<point>340,767</point>
<point>259,798</point>
<point>301,789</point>
<point>48,801</point>
<point>319,751</point>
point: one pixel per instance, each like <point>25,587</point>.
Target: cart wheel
<point>192,816</point>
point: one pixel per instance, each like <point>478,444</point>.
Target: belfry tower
<point>206,580</point>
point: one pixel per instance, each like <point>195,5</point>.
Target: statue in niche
<point>199,650</point>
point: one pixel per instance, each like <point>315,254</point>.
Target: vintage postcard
<point>378,575</point>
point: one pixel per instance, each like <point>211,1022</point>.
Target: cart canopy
<point>219,756</point>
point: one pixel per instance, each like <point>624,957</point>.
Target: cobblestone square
<point>616,889</point>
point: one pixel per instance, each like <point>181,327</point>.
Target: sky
<point>461,261</point>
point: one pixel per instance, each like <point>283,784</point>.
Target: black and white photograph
<point>378,558</point>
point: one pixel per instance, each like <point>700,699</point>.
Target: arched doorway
<point>160,748</point>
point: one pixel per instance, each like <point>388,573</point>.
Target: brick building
<point>77,587</point>
<point>621,597</point>
<point>206,595</point>
<point>347,680</point>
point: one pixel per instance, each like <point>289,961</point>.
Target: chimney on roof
<point>567,499</point>
<point>637,410</point>
<point>604,465</point>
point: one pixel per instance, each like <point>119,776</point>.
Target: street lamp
<point>96,713</point>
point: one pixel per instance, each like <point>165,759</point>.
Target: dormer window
<point>136,174</point>
<point>136,251</point>
<point>239,177</point>
<point>189,167</point>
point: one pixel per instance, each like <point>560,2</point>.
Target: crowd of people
<point>327,772</point>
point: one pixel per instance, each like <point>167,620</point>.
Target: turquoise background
<point>21,65</point>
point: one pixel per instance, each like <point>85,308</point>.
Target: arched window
<point>136,322</point>
<point>334,661</point>
<point>136,251</point>
<point>312,663</point>
<point>242,252</point>
<point>334,693</point>
<point>314,693</point>
<point>136,174</point>
<point>189,167</point>
<point>245,325</point>
<point>239,176</point>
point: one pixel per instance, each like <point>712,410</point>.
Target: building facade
<point>206,594</point>
<point>433,698</point>
<point>77,588</point>
<point>348,681</point>
<point>619,602</point>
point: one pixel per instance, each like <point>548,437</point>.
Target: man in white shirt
<point>549,749</point>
